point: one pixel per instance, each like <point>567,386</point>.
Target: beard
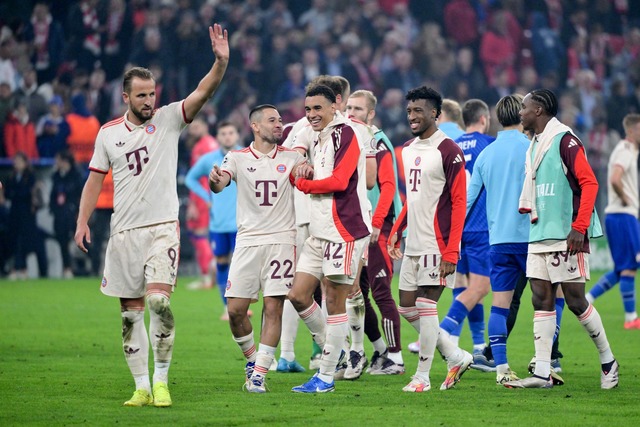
<point>143,116</point>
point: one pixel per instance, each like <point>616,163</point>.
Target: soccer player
<point>450,119</point>
<point>377,274</point>
<point>301,137</point>
<point>559,193</point>
<point>265,254</point>
<point>222,206</point>
<point>621,221</point>
<point>339,230</point>
<point>433,216</point>
<point>472,281</point>
<point>141,148</point>
<point>498,172</point>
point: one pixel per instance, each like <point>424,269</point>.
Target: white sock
<point>247,346</point>
<point>544,327</point>
<point>412,316</point>
<point>337,330</point>
<point>290,321</point>
<point>264,357</point>
<point>379,345</point>
<point>396,357</point>
<point>630,317</point>
<point>455,340</point>
<point>135,344</point>
<point>428,312</point>
<point>312,317</point>
<point>355,313</point>
<point>592,323</point>
<point>503,369</point>
<point>449,350</point>
<point>162,334</point>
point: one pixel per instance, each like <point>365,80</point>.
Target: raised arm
<point>210,82</point>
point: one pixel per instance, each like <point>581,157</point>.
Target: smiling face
<point>141,99</point>
<point>319,111</point>
<point>268,126</point>
<point>422,118</point>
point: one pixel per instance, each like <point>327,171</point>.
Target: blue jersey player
<point>472,280</point>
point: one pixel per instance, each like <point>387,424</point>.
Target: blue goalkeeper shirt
<point>498,173</point>
<point>222,215</point>
<point>472,145</point>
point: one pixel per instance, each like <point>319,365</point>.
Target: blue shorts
<point>222,244</point>
<point>473,253</point>
<point>508,266</point>
<point>623,234</point>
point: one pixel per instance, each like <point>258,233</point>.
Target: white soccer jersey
<point>436,196</point>
<point>265,212</point>
<point>625,155</point>
<point>338,157</point>
<point>144,160</point>
<point>301,136</point>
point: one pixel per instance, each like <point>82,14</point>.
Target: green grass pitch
<point>61,363</point>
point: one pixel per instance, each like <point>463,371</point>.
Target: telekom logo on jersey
<point>414,178</point>
<point>263,190</point>
<point>138,159</point>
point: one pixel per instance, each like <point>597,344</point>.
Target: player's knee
<point>158,302</point>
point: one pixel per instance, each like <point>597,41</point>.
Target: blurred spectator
<point>20,134</point>
<point>527,81</point>
<point>25,194</point>
<point>118,30</point>
<point>27,93</point>
<point>64,199</point>
<point>461,22</point>
<point>6,102</point>
<point>361,60</point>
<point>393,116</point>
<point>98,96</point>
<point>292,88</point>
<point>310,63</point>
<point>8,46</point>
<point>83,26</point>
<point>318,18</point>
<point>52,130</point>
<point>586,96</point>
<point>497,49</point>
<point>403,22</point>
<point>403,75</point>
<point>188,34</point>
<point>334,63</point>
<point>546,46</point>
<point>45,35</point>
<point>467,70</point>
<point>439,59</point>
<point>278,16</point>
<point>83,129</point>
<point>599,143</point>
<point>619,104</point>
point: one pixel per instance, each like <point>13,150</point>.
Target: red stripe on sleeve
<point>386,183</point>
<point>458,212</point>
<point>581,179</point>
<point>399,226</point>
<point>589,186</point>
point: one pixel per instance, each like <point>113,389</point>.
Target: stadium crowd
<point>61,65</point>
